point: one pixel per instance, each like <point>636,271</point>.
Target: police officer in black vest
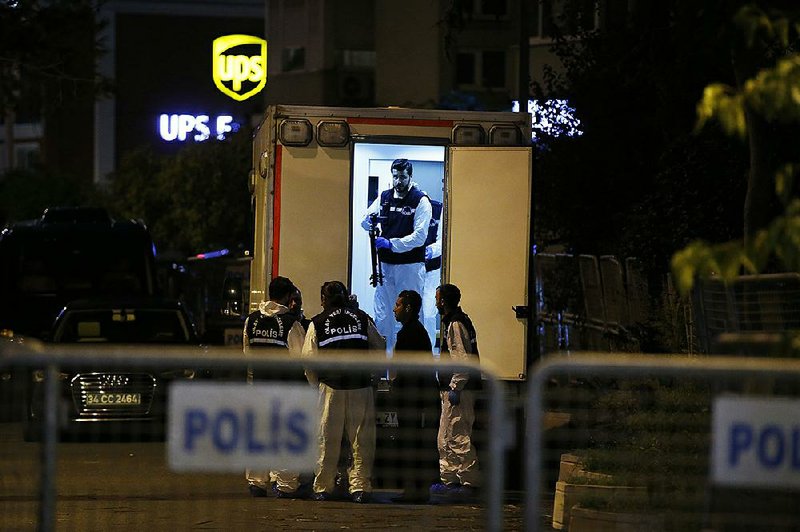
<point>405,213</point>
<point>347,403</point>
<point>274,327</point>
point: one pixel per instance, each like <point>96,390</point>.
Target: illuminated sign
<point>239,75</point>
<point>178,127</point>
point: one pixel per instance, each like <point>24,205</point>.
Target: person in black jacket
<point>412,336</point>
<point>415,393</point>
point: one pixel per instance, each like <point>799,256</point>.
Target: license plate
<point>113,399</point>
<point>386,419</point>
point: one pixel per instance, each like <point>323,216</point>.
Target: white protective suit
<point>458,461</point>
<point>399,277</point>
<point>286,481</point>
<point>348,412</point>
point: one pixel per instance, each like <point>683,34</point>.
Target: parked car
<point>97,397</point>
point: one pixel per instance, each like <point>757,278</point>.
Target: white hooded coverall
<point>286,481</point>
<point>458,461</point>
<point>350,412</point>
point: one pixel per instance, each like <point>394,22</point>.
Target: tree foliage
<point>193,201</point>
<point>43,52</point>
<point>640,182</point>
<point>26,193</point>
<point>771,96</point>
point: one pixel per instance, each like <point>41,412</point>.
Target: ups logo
<point>240,65</point>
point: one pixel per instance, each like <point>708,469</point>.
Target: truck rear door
<point>487,238</point>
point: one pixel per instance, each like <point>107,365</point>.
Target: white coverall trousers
<point>458,461</point>
<point>396,278</point>
<point>351,412</point>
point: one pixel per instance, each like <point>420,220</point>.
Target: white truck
<point>316,170</point>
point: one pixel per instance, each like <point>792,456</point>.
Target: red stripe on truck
<point>276,212</point>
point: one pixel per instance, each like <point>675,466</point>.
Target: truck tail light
<point>333,133</point>
<point>295,132</point>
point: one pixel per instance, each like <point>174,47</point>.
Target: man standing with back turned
<point>405,215</point>
<point>273,326</point>
<point>346,400</point>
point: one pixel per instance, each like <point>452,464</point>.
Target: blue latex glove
<point>428,253</point>
<point>454,396</point>
<point>382,243</point>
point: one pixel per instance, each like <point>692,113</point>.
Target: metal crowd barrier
<point>672,405</point>
<point>50,358</point>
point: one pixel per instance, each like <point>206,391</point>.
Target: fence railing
<point>51,364</point>
<point>647,437</point>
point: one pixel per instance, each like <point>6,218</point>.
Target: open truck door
<point>487,231</point>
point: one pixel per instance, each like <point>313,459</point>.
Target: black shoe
<point>256,491</point>
<point>360,497</point>
<point>279,493</point>
<point>322,496</point>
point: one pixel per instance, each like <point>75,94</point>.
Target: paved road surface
<point>128,486</point>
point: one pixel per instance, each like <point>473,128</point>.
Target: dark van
<point>69,253</point>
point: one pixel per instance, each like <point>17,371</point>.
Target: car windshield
<point>162,326</point>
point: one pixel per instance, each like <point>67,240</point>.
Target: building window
<point>293,58</point>
<point>27,155</point>
<point>465,69</point>
<point>568,16</point>
<point>484,69</point>
<point>358,59</point>
<point>493,69</point>
<point>486,8</point>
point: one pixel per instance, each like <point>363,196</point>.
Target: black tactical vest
<point>272,332</point>
<point>269,331</point>
<point>474,382</point>
<point>398,221</point>
<point>342,328</point>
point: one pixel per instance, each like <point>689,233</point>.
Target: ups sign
<point>240,65</point>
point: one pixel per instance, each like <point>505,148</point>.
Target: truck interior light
<point>333,133</point>
<point>295,132</point>
<point>468,135</point>
<point>505,135</point>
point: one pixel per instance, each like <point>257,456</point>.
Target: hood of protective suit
<point>270,308</point>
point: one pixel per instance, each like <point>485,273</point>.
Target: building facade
<point>410,53</point>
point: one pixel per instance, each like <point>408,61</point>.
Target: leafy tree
<point>48,54</point>
<point>639,182</point>
<point>26,193</point>
<point>193,201</point>
<point>765,109</point>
